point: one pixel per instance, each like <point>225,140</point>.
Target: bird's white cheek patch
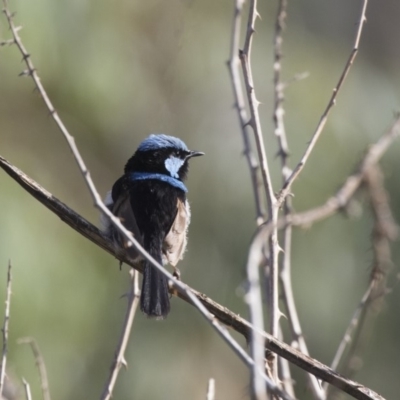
<point>173,165</point>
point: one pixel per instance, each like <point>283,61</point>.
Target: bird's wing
<point>123,210</point>
<point>175,242</point>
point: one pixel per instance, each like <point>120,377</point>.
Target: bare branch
<point>226,316</point>
<point>180,286</point>
<point>279,112</point>
<point>350,186</point>
<point>233,65</point>
<point>283,152</point>
<point>4,330</point>
<point>211,389</point>
<point>253,299</point>
<point>39,361</point>
<point>27,388</point>
<point>287,185</point>
<point>271,269</point>
<point>385,231</point>
<point>119,359</point>
<point>245,57</point>
<point>347,337</point>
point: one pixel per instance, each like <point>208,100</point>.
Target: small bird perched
<point>150,200</point>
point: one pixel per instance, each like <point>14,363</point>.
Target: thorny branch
<point>385,230</point>
<point>181,287</point>
<point>321,213</point>
<point>227,317</point>
<point>271,267</point>
<point>233,65</point>
<point>283,152</point>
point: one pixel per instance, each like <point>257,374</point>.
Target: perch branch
<point>181,287</point>
<point>223,314</point>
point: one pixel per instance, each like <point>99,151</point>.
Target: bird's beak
<point>194,154</point>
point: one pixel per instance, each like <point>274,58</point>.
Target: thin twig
<point>4,330</point>
<point>279,111</point>
<point>271,269</point>
<point>39,361</point>
<point>385,231</point>
<point>280,133</point>
<point>211,389</point>
<point>285,374</point>
<point>119,358</point>
<point>245,57</point>
<point>27,388</point>
<point>347,337</point>
<point>227,317</point>
<point>253,297</point>
<point>181,287</point>
<point>288,184</point>
<point>283,152</point>
<point>346,191</point>
<point>233,65</point>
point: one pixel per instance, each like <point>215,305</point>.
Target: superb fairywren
<point>150,200</point>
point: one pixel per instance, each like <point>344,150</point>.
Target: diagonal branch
<point>181,287</point>
<point>223,314</point>
<point>385,231</point>
<point>288,184</point>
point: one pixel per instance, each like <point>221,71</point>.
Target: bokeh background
<point>117,71</point>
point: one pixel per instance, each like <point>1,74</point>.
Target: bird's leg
<point>177,275</point>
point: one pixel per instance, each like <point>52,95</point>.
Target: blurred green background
<point>117,71</point>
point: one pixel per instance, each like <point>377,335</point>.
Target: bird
<point>150,201</point>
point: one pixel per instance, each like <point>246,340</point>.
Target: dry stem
<point>233,65</point>
<point>39,361</point>
<point>5,330</point>
<point>271,270</point>
<point>227,317</point>
<point>211,389</point>
<point>31,71</point>
<point>119,358</point>
<point>27,389</point>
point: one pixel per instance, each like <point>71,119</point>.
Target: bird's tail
<point>154,300</point>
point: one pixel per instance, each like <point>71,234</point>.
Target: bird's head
<point>162,154</point>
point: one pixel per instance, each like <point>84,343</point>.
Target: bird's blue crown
<point>161,141</point>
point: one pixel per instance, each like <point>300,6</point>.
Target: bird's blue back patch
<point>141,176</point>
<point>161,141</point>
